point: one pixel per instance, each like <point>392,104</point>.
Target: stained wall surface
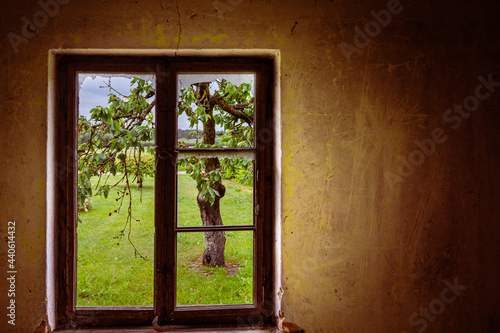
<point>390,188</point>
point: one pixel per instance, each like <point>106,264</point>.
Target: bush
<point>146,166</point>
<point>239,170</point>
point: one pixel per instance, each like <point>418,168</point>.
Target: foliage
<point>141,165</point>
<point>237,130</point>
<point>240,170</point>
<point>113,134</point>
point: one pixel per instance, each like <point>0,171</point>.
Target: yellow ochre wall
<point>369,240</point>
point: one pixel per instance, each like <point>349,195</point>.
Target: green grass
<point>109,272</point>
<point>236,205</point>
<point>218,285</point>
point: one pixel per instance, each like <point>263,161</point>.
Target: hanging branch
<point>112,131</point>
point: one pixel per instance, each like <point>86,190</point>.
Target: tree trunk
<point>215,241</point>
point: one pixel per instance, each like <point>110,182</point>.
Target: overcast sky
<point>94,91</point>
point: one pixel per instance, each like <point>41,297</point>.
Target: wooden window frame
<point>165,69</point>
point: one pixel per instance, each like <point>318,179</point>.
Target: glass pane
<point>215,110</point>
<point>223,196</point>
<point>228,283</point>
<point>115,190</point>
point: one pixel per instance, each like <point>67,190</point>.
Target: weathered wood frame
<point>166,69</point>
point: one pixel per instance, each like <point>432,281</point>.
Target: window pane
<point>223,196</point>
<point>115,190</point>
<point>215,110</point>
<point>230,283</point>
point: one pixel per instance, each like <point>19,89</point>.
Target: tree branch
<point>142,115</point>
<point>231,109</point>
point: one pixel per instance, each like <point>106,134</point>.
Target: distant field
<point>192,142</point>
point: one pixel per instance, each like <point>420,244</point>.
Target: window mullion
<point>164,194</point>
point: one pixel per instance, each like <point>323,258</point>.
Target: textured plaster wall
<point>366,242</point>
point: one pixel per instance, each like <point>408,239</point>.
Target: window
<point>184,217</point>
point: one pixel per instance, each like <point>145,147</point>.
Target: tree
<point>231,108</point>
<point>115,140</point>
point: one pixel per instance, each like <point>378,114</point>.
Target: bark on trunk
<point>215,241</point>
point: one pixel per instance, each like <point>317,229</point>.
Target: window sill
<point>150,329</point>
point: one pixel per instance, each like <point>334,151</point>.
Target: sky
<point>94,91</point>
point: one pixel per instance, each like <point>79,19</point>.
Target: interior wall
<point>382,230</point>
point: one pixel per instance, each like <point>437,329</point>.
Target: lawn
<point>109,273</point>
